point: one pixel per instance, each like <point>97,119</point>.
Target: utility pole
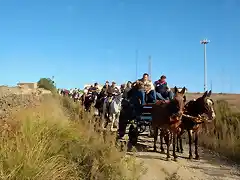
<point>205,42</point>
<point>150,67</point>
<point>136,64</point>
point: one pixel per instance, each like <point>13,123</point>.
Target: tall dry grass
<point>51,141</point>
<point>223,135</point>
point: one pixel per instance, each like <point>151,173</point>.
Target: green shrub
<point>46,83</point>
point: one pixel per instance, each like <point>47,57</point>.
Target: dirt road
<point>210,167</point>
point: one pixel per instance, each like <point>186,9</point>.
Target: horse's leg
<point>174,146</point>
<point>117,119</point>
<point>161,141</point>
<point>167,140</point>
<point>155,138</point>
<point>180,142</point>
<point>196,145</point>
<point>190,143</point>
<point>103,116</point>
<point>112,121</point>
<point>178,139</point>
<point>122,124</point>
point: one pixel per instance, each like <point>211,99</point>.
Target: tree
<point>46,83</point>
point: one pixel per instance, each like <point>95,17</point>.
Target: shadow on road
<point>145,152</point>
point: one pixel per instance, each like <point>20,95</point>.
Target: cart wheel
<point>151,131</point>
<point>141,127</point>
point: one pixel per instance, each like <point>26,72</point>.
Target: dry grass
<point>223,135</point>
<point>41,143</point>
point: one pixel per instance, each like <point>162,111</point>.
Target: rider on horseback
<point>93,91</point>
<point>113,90</point>
<point>104,90</point>
<point>163,92</point>
<point>127,89</point>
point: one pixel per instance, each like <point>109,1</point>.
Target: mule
<point>191,121</point>
<point>111,110</point>
<point>168,116</point>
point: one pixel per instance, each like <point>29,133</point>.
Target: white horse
<point>111,109</point>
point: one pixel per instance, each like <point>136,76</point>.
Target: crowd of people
<point>149,93</point>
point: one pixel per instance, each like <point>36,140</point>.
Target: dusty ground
<point>210,167</point>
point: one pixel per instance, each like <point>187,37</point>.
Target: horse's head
<point>205,105</point>
<point>179,100</point>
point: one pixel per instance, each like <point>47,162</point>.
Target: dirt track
<point>210,167</point>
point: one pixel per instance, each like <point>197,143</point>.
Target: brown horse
<point>168,117</point>
<point>192,120</point>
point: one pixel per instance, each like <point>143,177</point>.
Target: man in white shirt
<point>147,83</point>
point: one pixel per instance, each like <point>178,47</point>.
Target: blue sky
<point>83,41</point>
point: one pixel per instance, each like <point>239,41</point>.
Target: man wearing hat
<point>94,91</point>
<point>105,89</point>
<point>113,90</point>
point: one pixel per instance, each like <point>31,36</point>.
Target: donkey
<point>168,116</point>
<point>191,121</point>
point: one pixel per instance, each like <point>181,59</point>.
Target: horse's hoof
<point>168,158</point>
<point>162,152</point>
<point>181,151</point>
<point>178,151</point>
<point>190,157</point>
<point>175,159</point>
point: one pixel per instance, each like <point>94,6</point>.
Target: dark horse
<point>87,101</point>
<point>168,116</point>
<point>130,108</point>
<point>99,103</point>
<point>191,122</point>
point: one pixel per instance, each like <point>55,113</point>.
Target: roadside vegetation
<point>54,140</point>
<point>223,135</point>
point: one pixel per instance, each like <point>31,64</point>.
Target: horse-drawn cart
<point>144,121</point>
<point>141,124</point>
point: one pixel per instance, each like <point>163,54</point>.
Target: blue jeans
<point>142,96</point>
<point>165,96</point>
<point>151,96</point>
